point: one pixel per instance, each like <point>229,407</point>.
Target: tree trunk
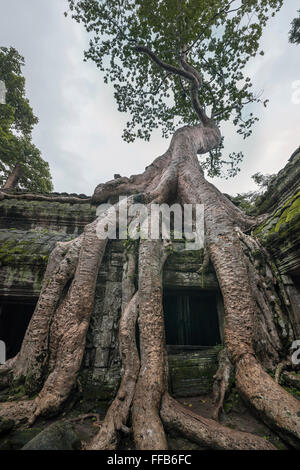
<point>54,344</point>
<point>13,178</point>
<point>151,384</point>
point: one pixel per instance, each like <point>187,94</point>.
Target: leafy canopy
<point>294,36</point>
<point>247,201</point>
<point>16,123</point>
<point>217,38</point>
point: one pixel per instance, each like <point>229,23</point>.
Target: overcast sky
<point>79,130</point>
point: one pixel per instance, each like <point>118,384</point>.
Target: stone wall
<point>280,232</point>
<point>52,216</point>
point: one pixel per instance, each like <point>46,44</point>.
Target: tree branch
<point>168,67</point>
<point>191,75</point>
<point>189,68</point>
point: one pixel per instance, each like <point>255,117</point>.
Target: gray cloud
<point>79,132</point>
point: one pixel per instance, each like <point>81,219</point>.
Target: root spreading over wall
<point>52,351</point>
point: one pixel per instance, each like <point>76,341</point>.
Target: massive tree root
<point>207,432</point>
<point>53,347</point>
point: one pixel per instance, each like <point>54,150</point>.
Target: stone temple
<point>193,307</point>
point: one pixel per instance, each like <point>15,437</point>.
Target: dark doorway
<point>191,318</point>
<point>14,319</point>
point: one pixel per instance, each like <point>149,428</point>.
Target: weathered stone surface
<point>17,439</point>
<point>191,373</point>
<point>280,232</point>
<point>54,216</point>
<point>183,268</point>
<point>23,259</point>
<point>57,436</point>
<point>101,365</point>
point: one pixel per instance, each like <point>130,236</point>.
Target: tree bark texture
<point>13,178</point>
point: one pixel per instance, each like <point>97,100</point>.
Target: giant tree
<point>171,63</point>
<point>20,160</point>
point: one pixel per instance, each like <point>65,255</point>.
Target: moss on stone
<point>233,400</point>
<point>30,247</point>
<point>280,233</point>
<point>289,210</point>
<point>192,373</point>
